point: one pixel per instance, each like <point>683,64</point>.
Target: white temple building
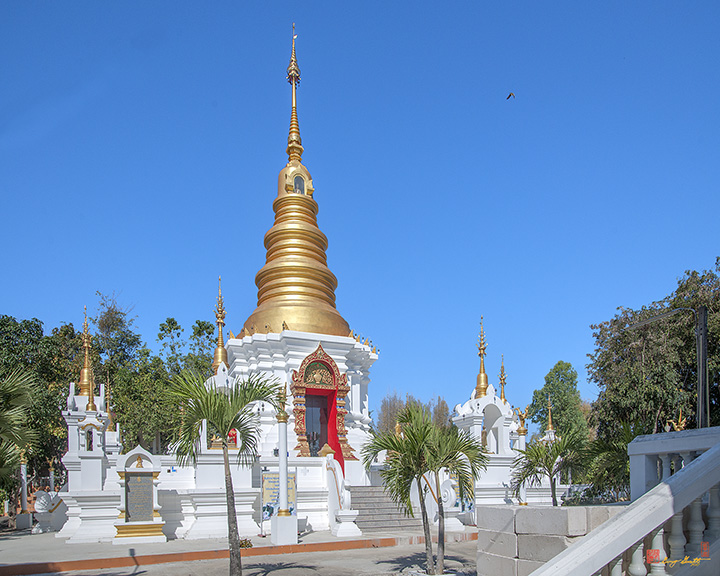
<point>297,336</point>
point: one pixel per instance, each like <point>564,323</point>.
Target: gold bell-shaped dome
<point>296,289</point>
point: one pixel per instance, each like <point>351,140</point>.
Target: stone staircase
<point>378,512</point>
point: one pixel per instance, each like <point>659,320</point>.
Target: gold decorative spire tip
<point>294,147</point>
<point>482,379</point>
<point>503,377</point>
<point>220,356</point>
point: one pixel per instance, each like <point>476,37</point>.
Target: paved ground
<point>363,562</point>
<point>374,559</point>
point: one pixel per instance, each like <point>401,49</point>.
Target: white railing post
<point>657,568</point>
<point>637,561</point>
<point>695,529</point>
<point>666,459</point>
<point>713,513</point>
<point>616,567</point>
<point>676,540</point>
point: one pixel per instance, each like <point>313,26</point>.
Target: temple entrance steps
<point>377,512</point>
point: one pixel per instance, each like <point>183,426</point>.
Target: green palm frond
<point>224,409</point>
<point>16,396</point>
<point>545,459</point>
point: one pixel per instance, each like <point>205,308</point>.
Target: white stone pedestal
<point>139,533</point>
<point>345,524</point>
<point>283,530</point>
<point>23,521</point>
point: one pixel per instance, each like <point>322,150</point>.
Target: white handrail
<point>610,540</point>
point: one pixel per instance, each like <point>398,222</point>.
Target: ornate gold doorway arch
<point>319,376</point>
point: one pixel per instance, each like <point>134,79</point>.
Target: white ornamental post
<point>23,485</point>
<point>283,525</point>
<point>522,433</point>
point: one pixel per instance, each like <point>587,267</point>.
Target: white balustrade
<point>670,475</point>
<point>713,513</point>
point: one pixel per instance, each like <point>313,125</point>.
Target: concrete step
<point>389,525</point>
<point>378,512</point>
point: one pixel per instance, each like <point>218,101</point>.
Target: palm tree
<point>424,448</point>
<point>547,459</point>
<point>225,409</point>
<point>609,463</point>
<point>16,390</point>
<point>462,455</point>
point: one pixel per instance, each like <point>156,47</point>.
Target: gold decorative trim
<point>132,530</point>
<point>327,379</point>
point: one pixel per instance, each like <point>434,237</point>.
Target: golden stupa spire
<point>295,286</point>
<point>503,377</point>
<point>482,379</point>
<point>220,352</point>
<point>87,382</point>
<point>294,147</point>
<point>549,407</point>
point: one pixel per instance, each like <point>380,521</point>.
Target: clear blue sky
<point>140,144</point>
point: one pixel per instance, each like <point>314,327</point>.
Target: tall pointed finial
<point>294,147</point>
<point>87,382</point>
<point>503,377</point>
<point>482,379</point>
<point>220,355</point>
<point>549,407</point>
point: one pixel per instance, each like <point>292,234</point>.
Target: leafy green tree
<point>224,410</point>
<point>548,459</point>
<point>147,414</point>
<point>646,375</point>
<point>202,346</point>
<point>118,343</point>
<point>170,336</point>
<point>561,387</point>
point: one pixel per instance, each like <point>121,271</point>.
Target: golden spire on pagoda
<point>503,377</point>
<point>294,147</point>
<point>87,382</point>
<point>220,355</point>
<point>482,379</point>
<point>549,407</point>
<point>295,286</point>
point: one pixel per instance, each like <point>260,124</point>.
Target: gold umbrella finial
<point>482,379</point>
<point>294,147</point>
<point>87,382</point>
<point>220,355</point>
<point>503,377</point>
<point>549,407</point>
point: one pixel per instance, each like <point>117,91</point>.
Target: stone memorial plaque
<point>138,497</point>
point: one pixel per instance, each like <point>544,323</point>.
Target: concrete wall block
<point>496,518</point>
<point>554,520</point>
<point>526,567</point>
<point>493,565</point>
<point>499,543</point>
<point>541,548</point>
<point>596,515</point>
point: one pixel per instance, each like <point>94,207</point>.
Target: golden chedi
<point>296,289</point>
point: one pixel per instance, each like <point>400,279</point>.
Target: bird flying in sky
<point>511,94</point>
